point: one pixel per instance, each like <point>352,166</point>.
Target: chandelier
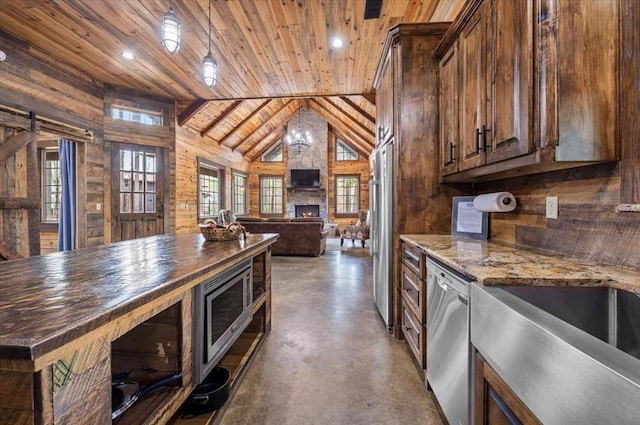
<point>297,139</point>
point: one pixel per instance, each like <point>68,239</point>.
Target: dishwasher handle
<point>441,284</point>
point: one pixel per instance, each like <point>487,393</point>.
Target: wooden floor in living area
<point>329,359</point>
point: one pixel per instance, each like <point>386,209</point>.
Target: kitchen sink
<point>611,315</point>
<point>571,354</point>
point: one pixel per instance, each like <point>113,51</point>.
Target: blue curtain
<point>67,224</point>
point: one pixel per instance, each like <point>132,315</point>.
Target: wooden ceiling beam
<point>255,130</point>
<point>348,133</point>
<point>228,111</point>
<point>346,114</point>
<point>190,111</point>
<point>244,121</point>
<point>333,118</point>
<point>371,98</point>
<point>279,135</point>
<point>359,109</point>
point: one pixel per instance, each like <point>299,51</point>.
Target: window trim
<point>335,194</point>
<point>43,161</point>
<point>346,145</point>
<point>270,176</point>
<point>271,149</point>
<point>222,171</point>
<point>239,173</point>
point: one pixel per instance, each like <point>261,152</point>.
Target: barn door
<point>137,192</point>
<point>19,197</point>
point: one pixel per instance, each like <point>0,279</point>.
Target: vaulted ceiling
<point>274,57</point>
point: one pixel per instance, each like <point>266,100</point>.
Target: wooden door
<point>496,403</point>
<point>473,56</point>
<point>137,192</point>
<point>19,197</point>
<point>512,83</point>
<point>385,102</point>
<point>449,140</point>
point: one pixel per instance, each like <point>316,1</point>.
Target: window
<point>137,181</point>
<point>344,152</point>
<point>239,193</point>
<point>347,194</point>
<point>271,195</point>
<point>210,189</point>
<point>51,185</point>
<point>274,154</point>
<point>136,115</point>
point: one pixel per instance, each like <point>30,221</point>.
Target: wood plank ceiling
<point>274,57</point>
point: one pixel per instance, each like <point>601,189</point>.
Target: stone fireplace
<point>315,157</point>
<point>307,210</point>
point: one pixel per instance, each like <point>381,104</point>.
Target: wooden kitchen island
<point>70,320</point>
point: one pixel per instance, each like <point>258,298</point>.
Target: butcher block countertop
<point>48,301</point>
<point>492,263</point>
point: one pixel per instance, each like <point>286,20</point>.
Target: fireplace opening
<point>307,211</point>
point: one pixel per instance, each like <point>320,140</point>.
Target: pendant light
<point>170,26</point>
<point>209,64</point>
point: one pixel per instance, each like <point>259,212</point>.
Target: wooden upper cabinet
<point>537,88</point>
<point>473,90</point>
<point>449,111</point>
<point>511,92</point>
<point>385,101</point>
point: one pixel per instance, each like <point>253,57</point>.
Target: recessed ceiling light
<point>337,43</point>
<point>127,55</point>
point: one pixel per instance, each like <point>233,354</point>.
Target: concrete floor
<point>329,359</point>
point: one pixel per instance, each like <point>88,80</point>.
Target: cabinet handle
<point>451,148</point>
<point>485,130</point>
<point>478,138</point>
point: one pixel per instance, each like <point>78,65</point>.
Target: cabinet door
<point>509,131</point>
<point>495,403</point>
<point>473,94</point>
<point>449,144</point>
<point>385,102</point>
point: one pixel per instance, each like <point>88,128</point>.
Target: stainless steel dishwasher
<point>448,345</point>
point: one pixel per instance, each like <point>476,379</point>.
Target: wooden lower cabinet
<point>495,402</point>
<point>415,335</point>
<point>414,302</point>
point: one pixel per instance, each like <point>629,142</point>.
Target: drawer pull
<point>407,328</point>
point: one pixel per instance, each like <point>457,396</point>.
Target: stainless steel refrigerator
<point>381,208</point>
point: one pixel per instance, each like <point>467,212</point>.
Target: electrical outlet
<point>98,206</point>
<point>552,207</point>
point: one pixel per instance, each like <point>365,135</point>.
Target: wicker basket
<point>229,233</point>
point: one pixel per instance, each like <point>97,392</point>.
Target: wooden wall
<point>189,147</point>
<point>588,225</point>
<point>359,167</point>
<point>31,81</point>
<point>259,168</point>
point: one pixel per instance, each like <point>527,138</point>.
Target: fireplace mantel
<point>306,189</point>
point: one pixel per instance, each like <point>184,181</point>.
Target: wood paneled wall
<point>588,225</point>
<point>259,168</point>
<point>189,147</point>
<point>32,81</point>
<point>359,167</point>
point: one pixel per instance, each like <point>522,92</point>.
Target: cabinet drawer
<point>414,293</point>
<point>414,259</point>
<point>415,335</point>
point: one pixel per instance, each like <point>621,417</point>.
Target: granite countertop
<point>491,263</point>
<point>50,300</point>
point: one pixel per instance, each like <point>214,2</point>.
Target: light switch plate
<point>552,207</point>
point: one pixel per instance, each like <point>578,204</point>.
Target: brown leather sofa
<point>298,236</point>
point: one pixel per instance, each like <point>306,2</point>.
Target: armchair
<point>360,230</point>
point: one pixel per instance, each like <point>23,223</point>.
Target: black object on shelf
<point>211,394</point>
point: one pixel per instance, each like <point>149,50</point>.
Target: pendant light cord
<point>209,26</point>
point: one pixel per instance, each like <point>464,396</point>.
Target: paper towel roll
<point>495,202</point>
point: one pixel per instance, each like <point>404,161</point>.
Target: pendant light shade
<point>209,70</point>
<point>170,26</point>
<point>209,64</point>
